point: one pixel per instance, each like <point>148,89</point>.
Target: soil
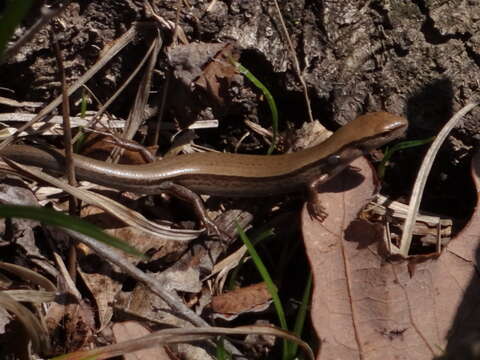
<point>418,58</point>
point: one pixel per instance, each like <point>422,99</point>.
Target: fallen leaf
<point>71,326</point>
<point>217,74</point>
<point>13,191</point>
<point>368,306</point>
<point>201,83</point>
<point>260,344</point>
<point>100,146</point>
<point>5,318</point>
<point>334,303</point>
<point>242,300</point>
<point>101,278</point>
<point>129,330</point>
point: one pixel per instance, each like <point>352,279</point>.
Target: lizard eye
<point>334,159</point>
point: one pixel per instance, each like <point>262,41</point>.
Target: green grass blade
<point>56,218</point>
<point>270,100</point>
<point>257,238</point>
<point>272,289</point>
<point>301,315</point>
<point>222,354</point>
<point>400,146</point>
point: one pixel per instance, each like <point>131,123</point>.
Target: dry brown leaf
<point>143,303</point>
<point>184,275</point>
<point>100,146</point>
<point>70,325</point>
<point>12,191</point>
<point>260,344</point>
<point>200,87</point>
<point>365,306</point>
<point>242,300</point>
<point>333,314</point>
<point>129,330</point>
<point>5,319</point>
<point>217,74</point>
<point>103,280</point>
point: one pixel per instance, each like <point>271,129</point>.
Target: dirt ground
<point>419,59</point>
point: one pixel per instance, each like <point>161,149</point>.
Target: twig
<point>296,64</point>
<point>113,256</point>
<point>117,46</point>
<point>177,18</point>
<point>166,24</point>
<point>119,91</point>
<point>161,109</point>
<point>67,129</point>
<point>137,114</point>
<point>67,138</point>
<point>70,166</point>
<point>422,176</point>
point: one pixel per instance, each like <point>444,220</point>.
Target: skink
<point>231,175</point>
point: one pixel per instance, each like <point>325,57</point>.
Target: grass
<point>59,219</point>
<point>270,100</point>
<point>289,349</point>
